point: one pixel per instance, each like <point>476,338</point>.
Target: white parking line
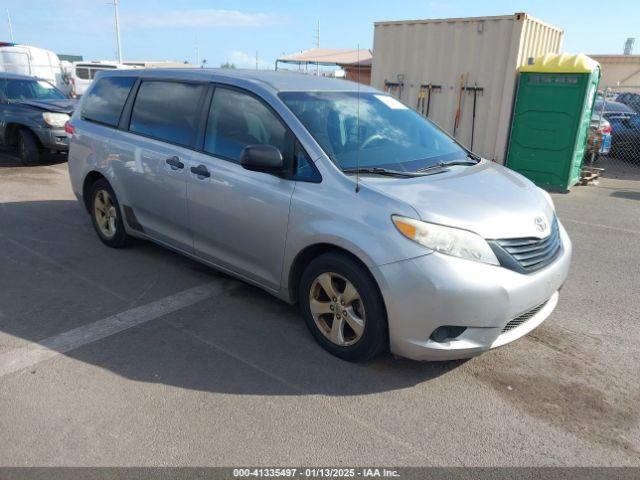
<point>33,353</point>
<point>600,225</point>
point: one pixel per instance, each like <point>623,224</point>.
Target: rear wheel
<point>28,147</point>
<point>105,215</point>
<point>343,307</point>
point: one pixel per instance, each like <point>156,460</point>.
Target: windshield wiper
<point>382,171</point>
<point>448,164</point>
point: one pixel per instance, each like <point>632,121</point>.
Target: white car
<point>32,61</point>
<point>81,74</point>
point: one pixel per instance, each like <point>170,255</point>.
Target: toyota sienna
<point>387,232</point>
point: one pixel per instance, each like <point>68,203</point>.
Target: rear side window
<point>82,73</point>
<point>237,120</point>
<point>167,111</point>
<point>104,102</point>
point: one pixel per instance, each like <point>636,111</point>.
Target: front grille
<point>519,320</point>
<point>530,253</point>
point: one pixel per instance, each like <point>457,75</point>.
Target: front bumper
<point>424,293</point>
<point>53,138</point>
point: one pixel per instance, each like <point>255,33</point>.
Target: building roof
<point>561,63</point>
<point>279,81</point>
<point>610,58</point>
<point>326,56</point>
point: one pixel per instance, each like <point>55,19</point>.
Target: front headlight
<point>55,119</point>
<point>447,240</point>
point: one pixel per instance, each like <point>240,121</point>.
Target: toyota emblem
<point>540,224</point>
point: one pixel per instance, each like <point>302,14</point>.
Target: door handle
<point>175,163</point>
<point>201,171</point>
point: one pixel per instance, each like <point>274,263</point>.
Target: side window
<point>236,120</point>
<point>304,168</point>
<point>167,111</point>
<point>82,72</point>
<point>104,102</point>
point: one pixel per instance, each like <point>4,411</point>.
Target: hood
<point>486,198</point>
<point>66,105</point>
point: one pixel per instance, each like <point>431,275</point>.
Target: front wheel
<point>343,308</point>
<point>28,147</point>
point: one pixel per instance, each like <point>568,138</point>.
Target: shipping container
<point>466,57</point>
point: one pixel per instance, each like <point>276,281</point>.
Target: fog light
<point>446,332</point>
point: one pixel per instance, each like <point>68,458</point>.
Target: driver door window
<point>237,120</point>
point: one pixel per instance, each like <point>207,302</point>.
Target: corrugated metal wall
<point>488,49</point>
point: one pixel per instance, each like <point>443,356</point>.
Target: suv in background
<point>33,113</point>
<point>81,74</point>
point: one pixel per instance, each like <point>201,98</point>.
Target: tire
<point>28,147</point>
<point>367,312</point>
<point>108,225</point>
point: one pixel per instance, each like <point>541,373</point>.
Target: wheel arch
<point>307,254</point>
<point>90,178</point>
<point>11,133</point>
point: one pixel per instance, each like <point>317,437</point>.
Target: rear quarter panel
<point>89,151</point>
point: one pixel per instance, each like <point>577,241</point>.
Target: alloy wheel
<point>105,213</point>
<point>337,309</point>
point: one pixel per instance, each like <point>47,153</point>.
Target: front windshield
<point>392,136</point>
<point>31,90</point>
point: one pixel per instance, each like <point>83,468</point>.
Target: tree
<point>227,65</point>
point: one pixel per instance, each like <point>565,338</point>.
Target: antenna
<point>358,122</point>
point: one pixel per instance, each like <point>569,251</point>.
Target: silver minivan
<point>387,232</point>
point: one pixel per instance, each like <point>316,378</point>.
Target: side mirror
<point>262,158</point>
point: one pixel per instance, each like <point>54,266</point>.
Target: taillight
<point>69,128</point>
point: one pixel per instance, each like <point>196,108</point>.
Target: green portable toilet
<point>551,119</point>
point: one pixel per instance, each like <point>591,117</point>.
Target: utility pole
<point>256,60</point>
<point>10,26</point>
<point>318,46</point>
<point>115,8</point>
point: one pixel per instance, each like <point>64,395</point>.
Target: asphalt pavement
<point>143,357</point>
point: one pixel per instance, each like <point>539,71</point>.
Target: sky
<point>233,31</point>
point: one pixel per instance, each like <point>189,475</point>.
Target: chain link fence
<point>614,134</point>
